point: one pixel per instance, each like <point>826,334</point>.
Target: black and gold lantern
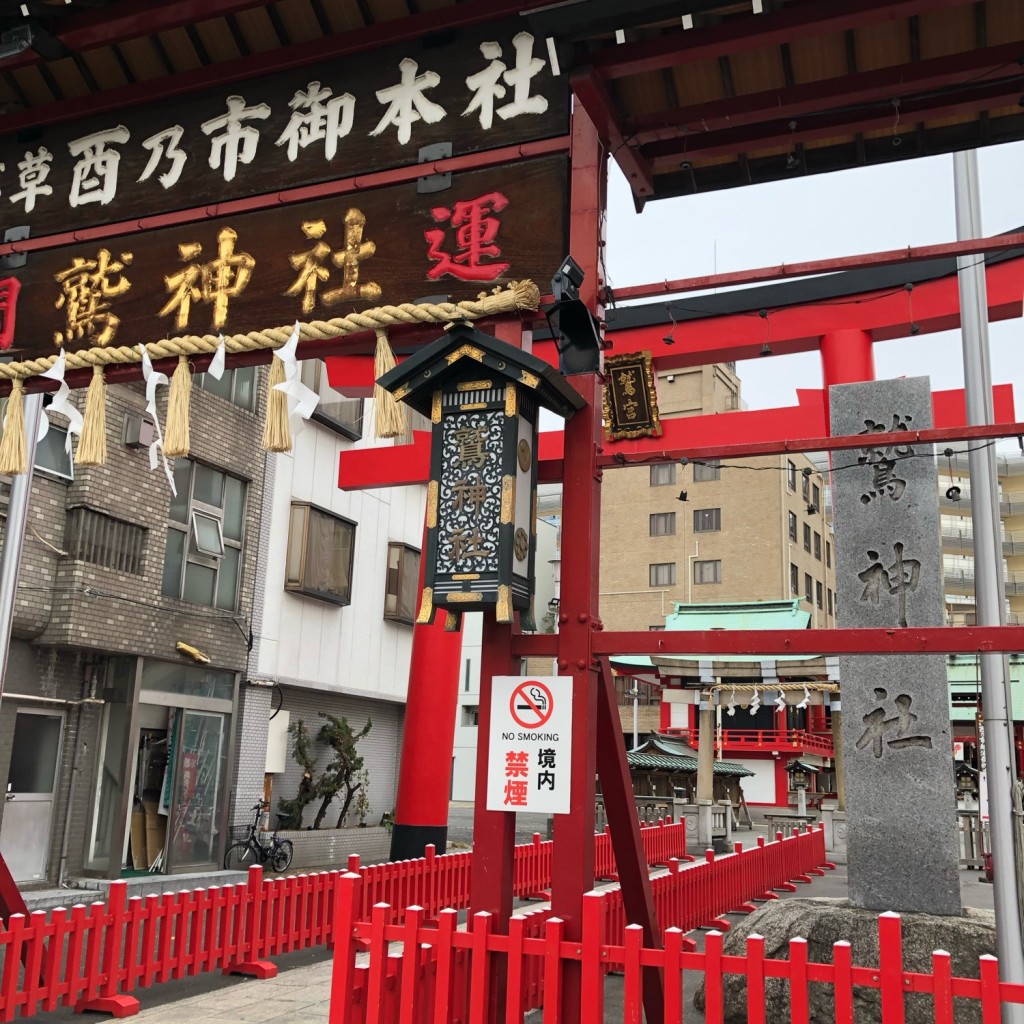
<point>483,397</point>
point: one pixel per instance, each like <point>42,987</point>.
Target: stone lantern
<point>483,397</point>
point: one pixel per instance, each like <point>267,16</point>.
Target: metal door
<point>31,780</point>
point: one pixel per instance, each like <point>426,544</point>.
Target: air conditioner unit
<point>138,432</point>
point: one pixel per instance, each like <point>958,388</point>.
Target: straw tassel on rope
<point>276,435</point>
<point>13,449</point>
<point>389,414</point>
<point>178,441</point>
<point>92,445</point>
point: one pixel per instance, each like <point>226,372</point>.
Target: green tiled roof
<point>677,763</point>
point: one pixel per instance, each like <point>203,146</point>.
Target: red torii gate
<point>844,335</point>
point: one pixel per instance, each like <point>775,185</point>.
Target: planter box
<point>329,848</point>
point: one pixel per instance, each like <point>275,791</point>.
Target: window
<point>709,571</point>
<point>819,594</point>
<point>807,538</point>
<point>817,545</point>
<point>93,536</point>
<point>791,475</point>
<point>663,524</point>
<point>808,588</point>
<point>237,386</point>
<point>816,495</point>
<point>320,552</point>
<point>470,715</point>
<point>655,629</point>
<point>794,579</point>
<point>344,415</point>
<point>663,474</point>
<point>710,469</point>
<point>805,485</point>
<point>663,574</point>
<point>202,563</point>
<point>707,520</point>
<point>51,455</point>
<point>792,526</point>
<point>828,554</point>
<point>831,607</point>
<point>403,583</point>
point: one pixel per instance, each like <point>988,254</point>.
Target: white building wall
<point>341,652</point>
<point>760,787</point>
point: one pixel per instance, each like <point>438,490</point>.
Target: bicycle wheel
<point>281,858</point>
<point>240,857</point>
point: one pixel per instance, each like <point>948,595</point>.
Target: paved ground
<point>300,994</point>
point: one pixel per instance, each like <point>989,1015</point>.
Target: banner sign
<point>529,750</point>
<point>309,261</point>
<point>488,87</point>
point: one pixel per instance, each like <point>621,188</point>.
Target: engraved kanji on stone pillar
<point>900,800</point>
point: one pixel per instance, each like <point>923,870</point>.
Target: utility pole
<point>14,531</point>
<point>988,580</point>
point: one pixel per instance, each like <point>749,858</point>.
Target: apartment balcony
<point>772,741</point>
<point>962,506</point>
<point>962,541</point>
<point>962,582</point>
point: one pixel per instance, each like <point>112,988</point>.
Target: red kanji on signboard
<point>9,288</point>
<point>476,228</point>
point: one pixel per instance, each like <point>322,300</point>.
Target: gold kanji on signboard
<point>630,397</point>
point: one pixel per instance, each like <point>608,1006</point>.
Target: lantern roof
<point>464,353</point>
<point>796,765</point>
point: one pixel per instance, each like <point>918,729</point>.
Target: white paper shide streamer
<point>153,380</point>
<point>301,399</point>
<point>60,404</point>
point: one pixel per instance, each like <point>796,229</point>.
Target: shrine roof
<point>689,96</point>
<point>661,753</point>
<point>464,352</point>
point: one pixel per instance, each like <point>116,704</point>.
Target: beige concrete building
<point>750,529</point>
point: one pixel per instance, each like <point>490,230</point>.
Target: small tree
<point>342,775</point>
<point>290,811</point>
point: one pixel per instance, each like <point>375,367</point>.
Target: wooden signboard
<point>490,87</point>
<point>630,397</point>
<point>310,261</point>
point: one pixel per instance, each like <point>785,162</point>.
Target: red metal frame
<point>9,288</point>
<point>884,258</point>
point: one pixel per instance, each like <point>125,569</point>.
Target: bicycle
<point>243,855</point>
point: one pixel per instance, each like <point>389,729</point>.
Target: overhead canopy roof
<point>690,96</point>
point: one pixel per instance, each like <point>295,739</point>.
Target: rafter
<point>804,20</point>
<point>884,84</point>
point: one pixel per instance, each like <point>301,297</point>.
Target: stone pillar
<point>251,728</point>
<point>705,773</point>
<point>902,838</point>
<point>801,801</point>
<point>837,746</point>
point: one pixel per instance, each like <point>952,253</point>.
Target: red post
<point>847,357</point>
<point>424,779</point>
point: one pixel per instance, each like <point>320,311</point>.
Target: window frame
<point>791,474</point>
<point>397,615</point>
<point>651,574</point>
<point>199,557</point>
<point>809,588</point>
<point>794,579</point>
<point>794,533</point>
<point>817,545</point>
<point>669,519</point>
<point>200,382</point>
<point>714,515</point>
<point>807,538</point>
<point>828,554</point>
<point>707,471</point>
<point>717,573</point>
<point>659,469</point>
<point>819,594</point>
<point>300,588</point>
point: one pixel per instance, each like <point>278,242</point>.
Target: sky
<point>818,217</point>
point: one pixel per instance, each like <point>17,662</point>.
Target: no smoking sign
<point>530,744</point>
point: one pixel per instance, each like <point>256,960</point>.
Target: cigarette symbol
<point>540,701</point>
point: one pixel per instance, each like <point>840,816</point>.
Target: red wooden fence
<point>445,981</point>
<point>91,957</point>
